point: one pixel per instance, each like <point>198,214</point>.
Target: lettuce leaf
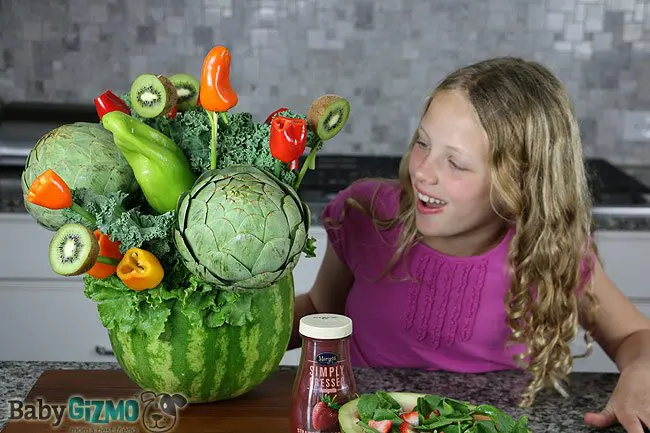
<point>125,310</point>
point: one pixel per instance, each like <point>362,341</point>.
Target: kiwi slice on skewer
<point>153,95</point>
<point>187,90</point>
<point>73,250</point>
<point>327,115</point>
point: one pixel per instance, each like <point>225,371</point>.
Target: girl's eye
<point>454,165</point>
<point>422,144</point>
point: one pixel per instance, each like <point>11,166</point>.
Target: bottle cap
<point>325,326</point>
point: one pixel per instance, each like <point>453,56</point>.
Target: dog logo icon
<point>161,411</point>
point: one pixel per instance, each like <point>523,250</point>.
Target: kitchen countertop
<point>551,412</point>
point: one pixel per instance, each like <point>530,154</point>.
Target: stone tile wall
<point>384,55</point>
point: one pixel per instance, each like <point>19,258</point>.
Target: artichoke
<point>85,156</point>
<point>240,227</point>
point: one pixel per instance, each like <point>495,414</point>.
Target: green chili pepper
<point>159,165</point>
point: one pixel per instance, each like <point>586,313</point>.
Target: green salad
<point>400,412</point>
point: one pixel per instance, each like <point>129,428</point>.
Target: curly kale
<point>133,227</point>
<point>241,141</point>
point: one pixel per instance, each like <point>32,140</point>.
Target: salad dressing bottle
<point>324,380</point>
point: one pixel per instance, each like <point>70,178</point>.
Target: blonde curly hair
<point>539,188</point>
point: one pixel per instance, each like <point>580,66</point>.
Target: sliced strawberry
<point>406,428</point>
<point>381,426</point>
<point>435,412</point>
<point>411,417</point>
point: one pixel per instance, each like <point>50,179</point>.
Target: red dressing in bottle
<point>324,381</point>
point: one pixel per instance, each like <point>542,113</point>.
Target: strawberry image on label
<point>325,413</point>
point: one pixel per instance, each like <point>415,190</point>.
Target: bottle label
<point>326,373</point>
<point>323,391</point>
<point>327,358</point>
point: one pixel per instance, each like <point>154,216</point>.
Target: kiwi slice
<point>152,95</point>
<point>187,90</point>
<point>73,250</point>
<point>327,115</point>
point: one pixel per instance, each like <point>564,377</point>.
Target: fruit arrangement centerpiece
<point>184,220</point>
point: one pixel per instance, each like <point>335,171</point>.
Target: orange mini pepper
<point>215,92</point>
<point>50,191</point>
<point>109,249</point>
<point>140,270</point>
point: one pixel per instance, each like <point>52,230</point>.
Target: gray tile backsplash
<point>384,55</point>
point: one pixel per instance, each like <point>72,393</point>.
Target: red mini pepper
<point>215,92</point>
<point>107,248</point>
<point>109,101</point>
<point>288,138</point>
<point>272,115</point>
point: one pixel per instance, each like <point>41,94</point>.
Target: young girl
<point>480,257</point>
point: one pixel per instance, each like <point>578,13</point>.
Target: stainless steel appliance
<point>614,191</point>
<point>21,125</point>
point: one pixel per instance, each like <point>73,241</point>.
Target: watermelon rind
<point>206,364</point>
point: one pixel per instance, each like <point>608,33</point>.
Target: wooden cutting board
<point>264,409</point>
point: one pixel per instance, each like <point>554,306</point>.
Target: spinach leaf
<point>390,414</point>
<point>447,409</point>
<point>368,404</point>
<point>423,407</point>
<point>521,426</point>
<point>453,428</point>
<point>433,401</point>
<point>387,400</point>
<point>504,422</point>
<point>485,427</point>
<point>442,422</point>
<point>458,406</point>
<point>486,409</point>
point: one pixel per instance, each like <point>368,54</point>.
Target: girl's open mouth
<point>430,202</point>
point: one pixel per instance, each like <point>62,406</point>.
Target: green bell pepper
<point>159,165</point>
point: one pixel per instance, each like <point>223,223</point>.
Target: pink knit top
<point>434,312</point>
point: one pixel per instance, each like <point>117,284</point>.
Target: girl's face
<point>449,170</point>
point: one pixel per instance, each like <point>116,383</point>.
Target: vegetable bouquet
<point>183,218</point>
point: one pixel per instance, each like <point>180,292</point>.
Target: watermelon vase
<point>204,363</point>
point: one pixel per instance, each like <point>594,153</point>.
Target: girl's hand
<point>629,404</point>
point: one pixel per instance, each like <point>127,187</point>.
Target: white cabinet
<point>23,250</point>
<point>49,321</point>
<point>43,316</point>
<point>304,275</point>
<point>625,257</point>
<point>626,260</point>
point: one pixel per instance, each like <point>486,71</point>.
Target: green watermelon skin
<point>210,364</point>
